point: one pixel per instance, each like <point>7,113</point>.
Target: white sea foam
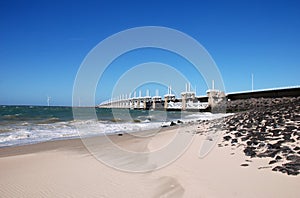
<point>29,133</point>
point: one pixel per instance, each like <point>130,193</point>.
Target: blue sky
<point>42,43</point>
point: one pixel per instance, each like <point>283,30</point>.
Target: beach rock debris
<point>268,127</point>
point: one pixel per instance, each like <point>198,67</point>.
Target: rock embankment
<point>267,128</point>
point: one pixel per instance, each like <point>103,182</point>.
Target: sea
<point>20,125</point>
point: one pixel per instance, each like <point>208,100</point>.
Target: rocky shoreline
<point>266,128</point>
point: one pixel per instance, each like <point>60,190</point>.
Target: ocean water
<point>21,125</point>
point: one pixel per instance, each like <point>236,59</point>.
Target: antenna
<point>252,83</point>
<point>213,85</point>
<point>156,92</point>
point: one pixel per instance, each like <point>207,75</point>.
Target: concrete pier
<point>214,100</point>
<point>188,101</point>
<point>169,98</point>
<point>187,97</point>
<point>156,100</point>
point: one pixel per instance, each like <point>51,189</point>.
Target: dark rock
<point>244,165</point>
<point>276,132</point>
<point>172,123</point>
<point>245,138</point>
<point>227,138</point>
<point>287,136</point>
<point>278,158</point>
<point>286,150</point>
<point>179,122</point>
<point>279,168</point>
<point>254,141</point>
<point>261,137</point>
<point>249,151</point>
<point>234,141</point>
<point>292,165</point>
<point>291,172</point>
<point>262,144</point>
<point>280,121</point>
<point>249,142</point>
<point>272,161</point>
<point>290,128</point>
<point>237,134</point>
<point>273,146</point>
<point>292,168</point>
<point>293,157</point>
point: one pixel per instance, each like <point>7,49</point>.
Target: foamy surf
<point>30,125</point>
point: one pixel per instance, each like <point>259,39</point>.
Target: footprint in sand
<point>168,187</point>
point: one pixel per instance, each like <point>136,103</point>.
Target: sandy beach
<point>66,169</point>
<point>149,99</point>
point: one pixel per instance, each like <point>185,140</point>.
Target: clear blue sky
<point>42,43</point>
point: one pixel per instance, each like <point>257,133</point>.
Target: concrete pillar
<point>168,97</point>
<point>156,99</point>
<point>183,101</point>
<point>166,103</point>
<point>211,97</point>
<point>145,104</point>
<point>216,98</point>
<point>138,103</point>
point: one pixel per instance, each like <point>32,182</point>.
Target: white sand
<point>66,169</point>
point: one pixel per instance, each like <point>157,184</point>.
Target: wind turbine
<point>48,100</point>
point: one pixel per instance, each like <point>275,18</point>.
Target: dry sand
<point>66,169</point>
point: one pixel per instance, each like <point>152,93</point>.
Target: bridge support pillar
<point>183,102</point>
